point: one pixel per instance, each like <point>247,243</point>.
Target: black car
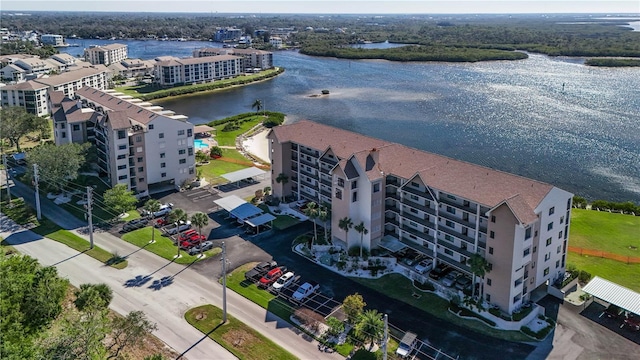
<point>259,270</point>
<point>135,224</point>
<point>441,270</point>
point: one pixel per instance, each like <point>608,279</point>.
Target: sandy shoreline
<point>258,145</point>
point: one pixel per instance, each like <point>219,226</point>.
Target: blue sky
<point>330,6</point>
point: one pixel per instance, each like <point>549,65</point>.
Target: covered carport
<point>203,130</point>
<point>392,244</point>
<point>244,174</point>
<point>257,221</point>
<point>613,293</point>
<point>237,207</point>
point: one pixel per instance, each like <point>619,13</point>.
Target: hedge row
<point>627,207</point>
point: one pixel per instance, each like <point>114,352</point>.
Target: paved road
<point>164,305</point>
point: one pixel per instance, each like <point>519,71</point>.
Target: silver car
<point>206,245</point>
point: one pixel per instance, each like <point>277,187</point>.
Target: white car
<point>424,266</point>
<point>207,245</point>
<point>305,290</point>
<point>164,210</point>
<point>284,281</point>
<point>180,228</point>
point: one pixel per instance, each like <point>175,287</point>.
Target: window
<point>341,182</point>
<point>526,252</point>
<point>163,175</point>
<point>138,138</point>
<point>413,210</point>
<point>490,250</point>
<point>451,210</point>
<point>76,127</point>
<point>568,203</point>
<point>139,158</point>
<point>150,126</point>
<point>451,197</point>
<point>122,134</point>
<point>552,210</point>
<point>535,248</point>
<point>527,233</point>
<point>492,234</point>
<point>354,197</point>
<point>354,184</point>
<point>546,271</point>
<point>161,135</point>
<point>557,264</point>
<point>488,297</point>
<point>141,180</point>
<point>490,266</point>
<point>450,224</point>
<point>448,237</point>
<point>493,218</point>
<point>190,151</point>
<point>121,156</point>
<point>189,132</point>
<point>162,155</point>
<point>547,256</point>
<point>139,149</point>
<point>182,152</point>
<point>549,241</point>
<point>64,134</point>
<point>488,282</point>
<point>181,132</point>
<point>140,169</point>
<point>122,177</point>
<point>122,147</point>
<point>558,249</point>
<point>550,226</point>
<point>376,187</point>
<point>122,167</point>
<point>163,165</point>
<point>338,193</point>
<point>415,184</point>
<point>182,161</point>
<point>561,219</point>
<point>560,234</point>
<point>448,252</point>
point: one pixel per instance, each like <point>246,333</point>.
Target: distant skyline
<point>330,6</point>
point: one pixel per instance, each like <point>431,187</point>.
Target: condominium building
<point>141,145</point>
<point>443,208</point>
<point>276,42</point>
<point>193,70</point>
<point>52,39</point>
<point>227,34</point>
<point>105,55</point>
<point>32,94</point>
<point>251,58</point>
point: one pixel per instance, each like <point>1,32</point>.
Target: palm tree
<point>282,179</point>
<point>479,267</point>
<point>345,224</point>
<point>370,327</point>
<point>257,105</point>
<point>324,214</point>
<point>176,216</point>
<point>152,206</point>
<point>363,231</point>
<point>200,220</point>
<point>312,213</point>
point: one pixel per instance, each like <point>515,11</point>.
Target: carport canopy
<point>392,244</point>
<point>202,129</point>
<point>229,202</point>
<point>246,211</point>
<point>614,294</point>
<point>260,220</point>
<point>243,174</point>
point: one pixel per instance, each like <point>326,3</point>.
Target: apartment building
<point>443,208</point>
<point>106,55</point>
<point>32,94</point>
<point>141,145</point>
<point>132,67</point>
<point>276,42</point>
<point>251,58</point>
<point>52,39</point>
<point>196,70</point>
<point>35,66</point>
<point>227,34</point>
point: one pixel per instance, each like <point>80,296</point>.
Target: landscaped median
<point>163,246</point>
<point>235,336</point>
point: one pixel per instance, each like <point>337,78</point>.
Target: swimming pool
<point>200,144</point>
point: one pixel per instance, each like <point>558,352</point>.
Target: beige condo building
<point>443,208</point>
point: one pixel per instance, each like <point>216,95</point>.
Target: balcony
<point>294,157</point>
<point>454,248</point>
<point>324,181</point>
<point>452,217</point>
<point>308,184</point>
<point>325,193</point>
<point>417,206</point>
<point>419,220</point>
<point>309,163</point>
<point>313,153</point>
<point>414,191</point>
<point>329,161</point>
<point>447,201</point>
<point>453,262</point>
<point>422,235</point>
<point>417,247</point>
<point>392,221</point>
<point>308,195</point>
<point>392,207</point>
<point>392,181</point>
<point>453,232</point>
<point>306,173</point>
<point>392,195</point>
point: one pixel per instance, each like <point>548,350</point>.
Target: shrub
<point>426,286</point>
<point>309,318</point>
<point>584,276</point>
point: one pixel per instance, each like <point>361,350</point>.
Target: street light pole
<point>6,175</point>
<point>89,214</point>
<point>224,283</point>
<point>35,180</point>
<point>386,337</point>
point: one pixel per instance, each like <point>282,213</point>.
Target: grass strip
<point>52,231</point>
<point>235,336</point>
<point>612,270</point>
<point>605,231</point>
<point>163,246</point>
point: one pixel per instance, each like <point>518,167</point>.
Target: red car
<point>271,277</point>
<point>161,222</point>
<point>633,322</point>
<point>187,235</point>
<point>192,241</point>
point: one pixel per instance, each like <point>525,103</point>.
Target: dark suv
<point>259,270</point>
<point>441,270</point>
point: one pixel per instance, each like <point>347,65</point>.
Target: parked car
<point>187,234</point>
<point>259,270</point>
<point>179,228</point>
<point>271,277</point>
<point>305,290</point>
<point>192,241</point>
<point>284,281</point>
<point>161,222</point>
<point>463,282</point>
<point>135,224</point>
<point>613,312</point>
<point>450,279</point>
<point>407,344</point>
<point>632,322</point>
<point>424,266</point>
<point>207,245</point>
<point>441,270</point>
<point>164,210</point>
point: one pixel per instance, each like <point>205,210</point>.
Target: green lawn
<point>228,138</point>
<point>612,270</point>
<point>282,221</point>
<point>215,168</point>
<point>400,288</point>
<point>235,336</point>
<point>599,230</point>
<point>52,231</point>
<point>131,215</point>
<point>163,246</point>
<point>18,211</point>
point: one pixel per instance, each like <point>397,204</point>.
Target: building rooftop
<point>70,76</point>
<point>27,85</point>
<point>473,182</point>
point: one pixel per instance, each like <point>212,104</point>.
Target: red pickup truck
<point>271,276</point>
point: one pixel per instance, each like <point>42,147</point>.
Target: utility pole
<point>89,207</point>
<point>35,180</point>
<point>386,337</point>
<point>6,175</point>
<point>224,283</point>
